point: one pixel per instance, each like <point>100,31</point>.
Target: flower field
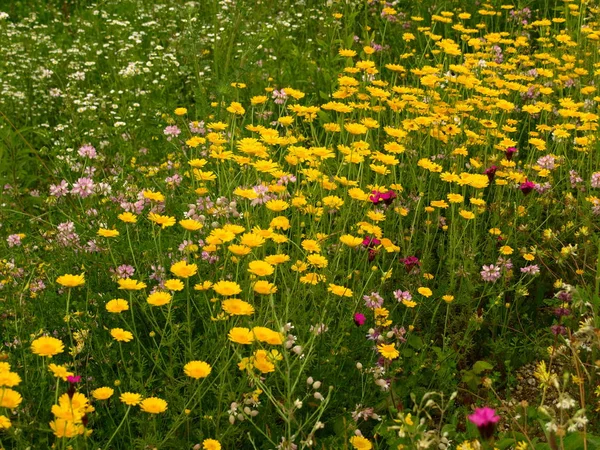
<point>299,224</point>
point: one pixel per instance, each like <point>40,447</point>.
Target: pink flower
<point>485,419</point>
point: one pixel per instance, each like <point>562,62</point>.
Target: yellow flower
<point>227,288</point>
<point>71,281</point>
<point>317,260</point>
<point>107,233</point>
<point>180,111</point>
<point>47,346</point>
<point>130,398</point>
<point>241,335</point>
<point>130,285</point>
<point>184,270</point>
<point>59,371</point>
<point>448,298</point>
<point>506,250</point>
<point>103,393</point>
<point>425,292</point>
<point>190,224</point>
<point>121,335</point>
<point>360,443</point>
<point>10,399</point>
<point>310,245</point>
<point>66,428</point>
<point>355,128</point>
<point>211,444</point>
<point>455,198</point>
<point>347,53</point>
<point>9,379</point>
<point>239,250</point>
<point>466,214</point>
<point>252,240</point>
<point>127,217</point>
<point>388,351</point>
<point>236,108</point>
<point>350,241</point>
<point>277,259</point>
<point>153,405</point>
<point>155,196</point>
<point>159,298</point>
<point>264,287</point>
<point>204,286</point>
<point>277,205</point>
<point>260,268</point>
<point>4,423</point>
<point>174,285</point>
<point>339,290</point>
<point>197,369</point>
<point>117,305</point>
<point>264,334</point>
<point>237,307</point>
<point>262,362</point>
<point>258,99</point>
<point>163,221</point>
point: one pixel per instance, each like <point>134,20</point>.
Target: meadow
<point>299,224</point>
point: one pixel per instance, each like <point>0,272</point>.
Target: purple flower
<point>74,379</point>
<point>485,419</point>
<point>359,319</point>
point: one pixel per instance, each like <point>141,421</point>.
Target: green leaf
<point>415,341</point>
<point>481,366</point>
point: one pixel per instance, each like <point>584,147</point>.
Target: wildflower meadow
<point>299,224</point>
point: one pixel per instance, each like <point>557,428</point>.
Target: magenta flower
<point>485,419</point>
<point>410,262</point>
<point>509,153</point>
<point>385,197</point>
<point>74,379</point>
<point>369,242</point>
<point>359,319</point>
<point>491,172</point>
<point>527,186</point>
